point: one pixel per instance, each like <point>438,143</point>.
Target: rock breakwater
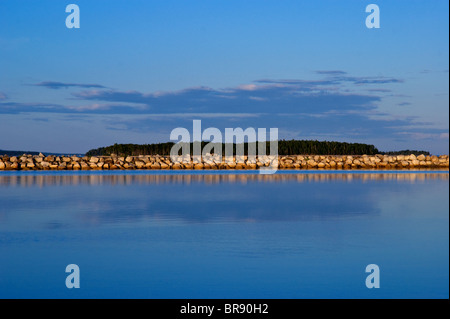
<point>157,162</point>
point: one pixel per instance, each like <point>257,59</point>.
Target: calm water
<point>224,235</point>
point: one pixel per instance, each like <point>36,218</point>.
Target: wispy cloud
<point>302,83</point>
<point>371,80</point>
<point>379,90</point>
<point>335,78</point>
<point>261,97</point>
<point>331,72</point>
<point>338,106</point>
<point>62,85</point>
<point>117,108</point>
<point>18,107</point>
<point>323,98</point>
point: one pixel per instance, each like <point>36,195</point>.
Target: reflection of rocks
<point>156,162</point>
<point>209,178</point>
<point>206,195</point>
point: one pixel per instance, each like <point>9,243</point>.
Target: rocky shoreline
<point>157,162</point>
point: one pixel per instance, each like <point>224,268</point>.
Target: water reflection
<point>129,179</point>
<point>203,235</point>
<point>106,199</point>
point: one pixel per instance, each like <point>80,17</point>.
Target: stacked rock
<point>363,161</point>
<point>115,162</point>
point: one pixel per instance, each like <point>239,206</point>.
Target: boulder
<point>382,164</point>
<point>312,163</point>
<point>139,164</point>
<point>156,166</point>
<point>45,164</point>
<point>164,165</point>
<point>421,157</point>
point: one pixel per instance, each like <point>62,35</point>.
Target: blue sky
<point>135,70</point>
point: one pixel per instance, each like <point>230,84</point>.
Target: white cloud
<point>257,98</point>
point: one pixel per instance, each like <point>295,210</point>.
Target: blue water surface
<point>224,234</point>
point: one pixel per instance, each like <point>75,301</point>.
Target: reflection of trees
<point>210,178</point>
<point>211,196</point>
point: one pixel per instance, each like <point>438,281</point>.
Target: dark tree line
<point>291,147</point>
<point>132,149</point>
<point>294,147</point>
